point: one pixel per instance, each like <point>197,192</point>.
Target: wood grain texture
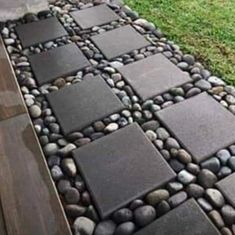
<point>2,221</point>
<point>30,203</point>
<point>11,102</point>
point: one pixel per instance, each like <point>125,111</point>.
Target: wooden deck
<point>29,202</point>
<point>11,102</point>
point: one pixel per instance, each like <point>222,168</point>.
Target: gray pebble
<point>151,135</point>
<point>157,196</point>
<point>74,210</point>
<point>230,90</point>
<point>205,73</point>
<point>54,128</point>
<point>224,171</point>
<point>91,213</point>
<point>206,178</point>
<point>183,65</point>
<point>232,109</point>
<point>82,141</point>
<point>145,24</point>
<point>231,163</point>
<point>151,125</point>
<point>177,199</point>
<point>159,144</point>
<point>215,197</point>
<point>83,226</point>
<point>192,92</point>
<point>206,206</point>
<point>69,167</point>
<point>213,164</point>
<point>176,165</point>
<point>223,155</point>
<point>226,231</point>
<point>136,203</point>
<point>228,213</point>
<point>56,173</point>
<point>63,185</point>
<point>184,156</point>
<point>167,104</point>
<point>178,91</point>
<point>127,228</point>
<point>162,208</point>
<point>174,187</point>
<point>122,215</point>
<point>232,149</point>
<point>144,215</point>
<point>193,168</point>
<point>216,81</point>
<point>185,177</point>
<point>9,41</point>
<point>65,151</point>
<point>50,149</point>
<point>106,227</point>
<point>189,59</point>
<point>99,126</point>
<point>72,196</point>
<point>230,99</point>
<point>35,111</point>
<point>216,219</point>
<point>53,160</point>
<point>203,85</point>
<point>172,143</point>
<point>195,190</point>
<point>162,133</point>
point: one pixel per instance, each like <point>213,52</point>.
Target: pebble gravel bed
<point>193,180</point>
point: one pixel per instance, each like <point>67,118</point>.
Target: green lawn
<point>204,28</point>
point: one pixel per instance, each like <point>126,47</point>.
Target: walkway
<point>138,137</point>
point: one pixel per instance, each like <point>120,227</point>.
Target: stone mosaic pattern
<point>129,152</point>
<point>119,41</point>
<point>204,129</point>
<point>40,31</point>
<point>60,61</point>
<point>78,106</point>
<point>94,16</point>
<point>153,76</point>
<point>188,218</point>
<point>193,180</point>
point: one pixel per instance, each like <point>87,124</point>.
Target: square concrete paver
<point>79,105</point>
<point>201,124</point>
<point>187,219</point>
<point>57,62</point>
<point>40,31</point>
<point>119,41</point>
<point>93,16</point>
<point>121,167</point>
<point>153,75</point>
<point>227,187</point>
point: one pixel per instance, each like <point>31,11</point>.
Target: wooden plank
<point>2,221</point>
<point>11,102</point>
<point>29,199</point>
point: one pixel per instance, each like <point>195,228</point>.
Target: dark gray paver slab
<point>119,41</point>
<point>93,16</point>
<point>121,167</point>
<point>57,62</point>
<point>40,31</point>
<point>187,219</point>
<point>153,75</point>
<point>201,124</point>
<point>227,187</point>
<point>79,105</point>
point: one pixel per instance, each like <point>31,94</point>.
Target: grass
<point>204,28</point>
